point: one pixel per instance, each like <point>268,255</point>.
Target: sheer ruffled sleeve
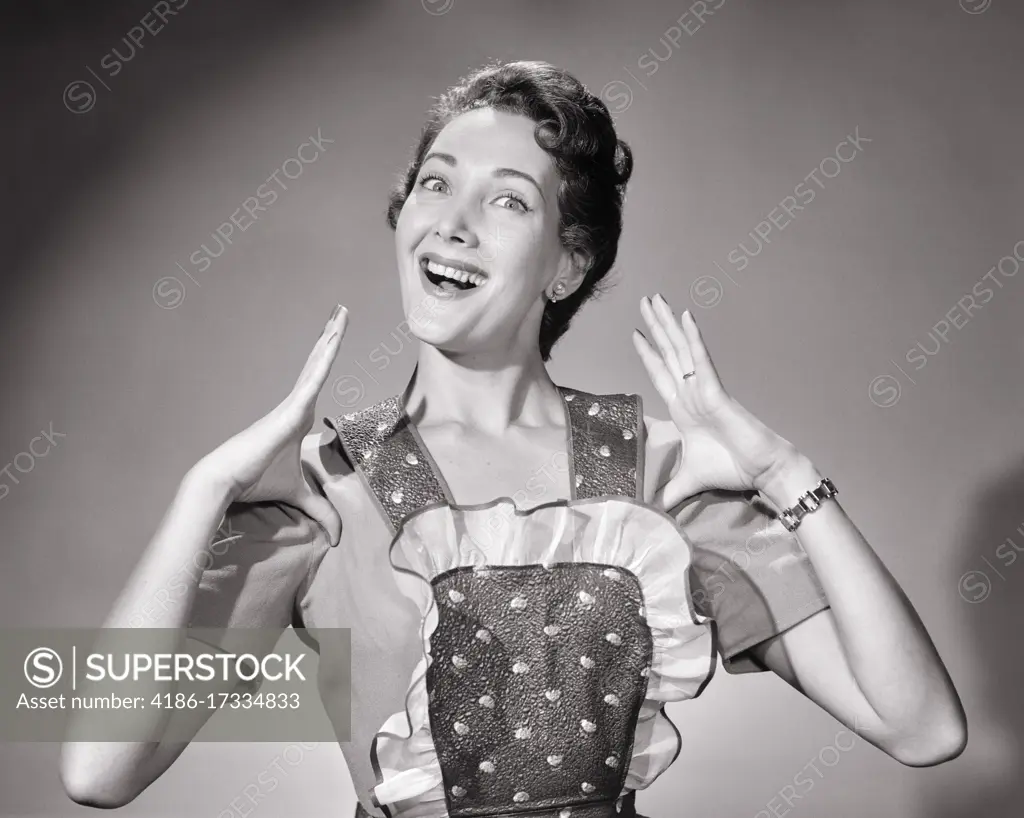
<point>748,572</point>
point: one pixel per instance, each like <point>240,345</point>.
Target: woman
<point>514,657</point>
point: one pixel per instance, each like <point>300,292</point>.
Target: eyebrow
<point>501,173</point>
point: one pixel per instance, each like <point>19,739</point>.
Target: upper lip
<point>467,266</point>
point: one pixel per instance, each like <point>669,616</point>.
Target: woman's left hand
<point>724,446</point>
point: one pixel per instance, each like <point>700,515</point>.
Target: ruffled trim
<point>611,531</point>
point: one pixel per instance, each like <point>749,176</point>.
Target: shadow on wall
<point>990,592</point>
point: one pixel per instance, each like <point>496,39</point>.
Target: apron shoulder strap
<point>607,443</point>
<point>382,448</point>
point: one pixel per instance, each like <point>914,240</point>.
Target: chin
<point>441,338</point>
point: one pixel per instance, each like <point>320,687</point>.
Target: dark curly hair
<point>576,130</point>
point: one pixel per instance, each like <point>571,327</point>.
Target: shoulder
<point>662,452</point>
<point>323,458</point>
<point>660,433</point>
<point>659,438</point>
<point>663,456</point>
<point>625,405</point>
<point>619,409</point>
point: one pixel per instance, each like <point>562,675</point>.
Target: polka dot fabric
<point>536,680</point>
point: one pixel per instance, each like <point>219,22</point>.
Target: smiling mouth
<point>450,279</point>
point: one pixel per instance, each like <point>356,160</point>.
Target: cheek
<point>538,255</point>
<point>518,246</point>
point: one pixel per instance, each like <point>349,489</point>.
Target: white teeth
<point>456,275</point>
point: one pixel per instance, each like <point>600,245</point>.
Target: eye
<point>433,177</point>
<point>523,207</point>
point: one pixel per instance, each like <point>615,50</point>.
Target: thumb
<point>323,512</point>
<point>677,489</point>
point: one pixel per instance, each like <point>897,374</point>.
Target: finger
<point>325,335</point>
<point>321,359</point>
<point>655,366</point>
<point>674,332</point>
<point>678,488</point>
<point>298,407</point>
<point>661,339</point>
<point>328,353</point>
<point>701,357</point>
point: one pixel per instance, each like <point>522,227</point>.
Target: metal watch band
<point>811,501</point>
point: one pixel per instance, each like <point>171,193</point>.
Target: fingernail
<point>660,297</point>
<point>334,313</point>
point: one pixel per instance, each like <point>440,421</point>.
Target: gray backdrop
<point>848,331</point>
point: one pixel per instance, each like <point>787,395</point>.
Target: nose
<point>454,224</point>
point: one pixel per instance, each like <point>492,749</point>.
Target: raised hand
<point>262,463</point>
<point>724,446</point>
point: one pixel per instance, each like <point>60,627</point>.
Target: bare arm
<point>261,464</point>
<point>869,661</point>
<point>110,774</point>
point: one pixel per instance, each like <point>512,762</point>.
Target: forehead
<point>485,139</point>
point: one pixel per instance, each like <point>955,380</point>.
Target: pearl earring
<point>559,291</point>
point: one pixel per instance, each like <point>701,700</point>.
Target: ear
<point>572,270</point>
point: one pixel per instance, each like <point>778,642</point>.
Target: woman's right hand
<point>262,463</point>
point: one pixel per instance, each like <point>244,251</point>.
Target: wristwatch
<point>809,502</point>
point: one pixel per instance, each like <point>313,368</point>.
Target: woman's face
<point>484,202</point>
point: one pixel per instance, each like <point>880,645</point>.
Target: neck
<point>489,393</point>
